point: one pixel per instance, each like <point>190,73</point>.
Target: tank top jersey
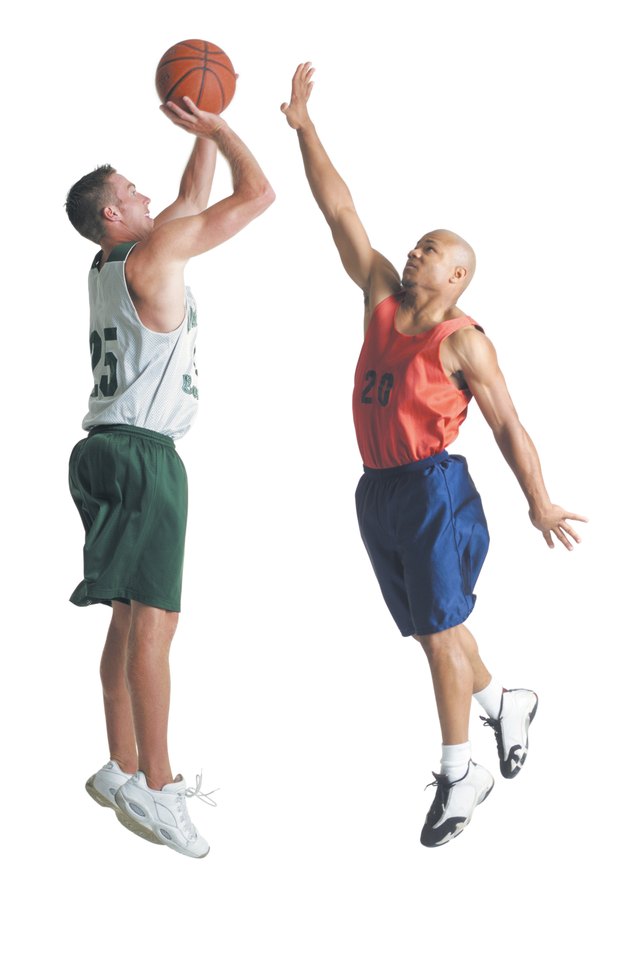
<point>405,408</point>
<point>141,378</point>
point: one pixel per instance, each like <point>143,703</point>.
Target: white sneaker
<point>104,785</point>
<point>517,710</point>
<point>454,803</point>
<point>164,812</point>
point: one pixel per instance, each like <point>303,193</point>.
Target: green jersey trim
<point>120,252</point>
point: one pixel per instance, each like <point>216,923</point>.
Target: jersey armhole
<point>471,325</point>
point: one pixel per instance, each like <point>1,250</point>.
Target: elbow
<point>256,198</point>
<point>264,196</point>
<point>508,434</point>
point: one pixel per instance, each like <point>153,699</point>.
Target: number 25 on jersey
<point>108,383</point>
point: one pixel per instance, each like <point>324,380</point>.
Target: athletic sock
<point>490,699</point>
<point>455,760</point>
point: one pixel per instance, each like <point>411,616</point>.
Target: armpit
<point>458,380</point>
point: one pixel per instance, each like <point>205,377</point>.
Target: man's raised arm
<point>329,189</point>
<point>178,240</point>
<point>195,185</point>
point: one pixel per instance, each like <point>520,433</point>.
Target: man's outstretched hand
<point>301,86</point>
<point>553,520</point>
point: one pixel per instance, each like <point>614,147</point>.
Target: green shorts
<point>130,487</point>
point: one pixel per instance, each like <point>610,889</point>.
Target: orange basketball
<point>199,70</point>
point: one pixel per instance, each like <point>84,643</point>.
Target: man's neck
<point>422,309</point>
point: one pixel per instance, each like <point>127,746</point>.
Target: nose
<point>413,254</point>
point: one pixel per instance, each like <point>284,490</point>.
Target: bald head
<point>441,264</point>
<point>461,254</point>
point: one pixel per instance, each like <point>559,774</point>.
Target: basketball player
<point>420,516</point>
<point>126,478</point>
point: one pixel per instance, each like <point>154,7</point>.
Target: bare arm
<point>195,185</point>
<point>364,265</point>
<point>474,356</point>
<point>154,269</point>
<point>178,240</point>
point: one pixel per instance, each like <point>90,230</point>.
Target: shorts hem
<point>448,625</point>
<point>86,597</point>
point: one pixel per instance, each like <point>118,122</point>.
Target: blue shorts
<point>426,535</point>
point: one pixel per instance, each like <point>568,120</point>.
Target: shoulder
<point>384,283</point>
<point>150,261</point>
<point>469,346</point>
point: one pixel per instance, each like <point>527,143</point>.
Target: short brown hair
<point>87,199</point>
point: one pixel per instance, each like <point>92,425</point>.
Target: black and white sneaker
<point>454,803</point>
<point>517,710</point>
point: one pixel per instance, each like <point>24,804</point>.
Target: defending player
<point>419,513</point>
<point>126,478</point>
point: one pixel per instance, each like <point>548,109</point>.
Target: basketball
<point>199,70</point>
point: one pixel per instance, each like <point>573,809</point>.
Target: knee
<point>151,626</point>
<point>434,644</point>
<point>120,618</point>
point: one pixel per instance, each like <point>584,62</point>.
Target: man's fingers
<point>548,538</point>
<point>570,531</point>
<point>303,72</point>
<point>192,107</point>
<point>563,540</point>
<point>179,112</point>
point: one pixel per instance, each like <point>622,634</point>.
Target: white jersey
<point>141,378</point>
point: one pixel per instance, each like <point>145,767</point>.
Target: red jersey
<point>405,408</point>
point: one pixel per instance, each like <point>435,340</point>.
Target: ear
<point>111,213</point>
<point>458,275</point>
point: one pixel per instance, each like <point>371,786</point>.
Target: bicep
<point>179,208</point>
<point>368,268</point>
<point>354,246</point>
<point>484,378</point>
<point>188,236</point>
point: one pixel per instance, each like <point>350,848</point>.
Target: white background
<point>512,124</point>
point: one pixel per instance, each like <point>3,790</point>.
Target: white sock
<point>490,699</point>
<point>455,760</point>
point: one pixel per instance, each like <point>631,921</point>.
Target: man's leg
<point>457,672</point>
<point>152,798</point>
<point>148,678</point>
<point>117,702</point>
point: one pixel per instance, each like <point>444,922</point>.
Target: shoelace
<point>439,782</point>
<point>183,813</point>
<point>488,722</point>
<point>185,820</point>
<point>198,792</point>
<point>442,785</point>
<point>495,726</point>
<point>439,777</point>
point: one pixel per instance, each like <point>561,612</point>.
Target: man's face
<point>429,264</point>
<point>132,207</point>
